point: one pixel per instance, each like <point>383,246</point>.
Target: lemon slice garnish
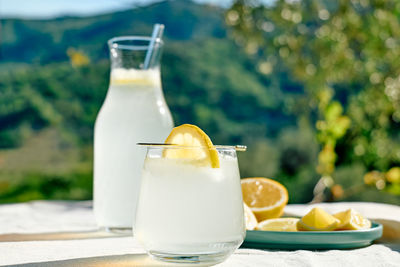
<point>318,220</point>
<point>352,220</point>
<point>200,151</point>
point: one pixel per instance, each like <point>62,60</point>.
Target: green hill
<point>46,41</point>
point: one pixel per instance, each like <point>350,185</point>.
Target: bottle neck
<point>135,61</point>
<point>134,53</point>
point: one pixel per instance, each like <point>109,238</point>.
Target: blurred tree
<point>346,55</point>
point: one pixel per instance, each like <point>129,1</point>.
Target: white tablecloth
<point>22,242</point>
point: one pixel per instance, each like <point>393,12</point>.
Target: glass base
<point>118,230</point>
<point>207,258</point>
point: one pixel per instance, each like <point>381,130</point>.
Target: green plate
<point>312,240</point>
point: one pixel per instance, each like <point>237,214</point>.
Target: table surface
<point>63,233</point>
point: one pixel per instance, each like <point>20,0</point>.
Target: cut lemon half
<point>351,220</point>
<point>265,197</point>
<point>279,224</point>
<point>250,219</point>
<point>200,150</point>
<point>317,220</point>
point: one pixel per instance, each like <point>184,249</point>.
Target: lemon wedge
<point>265,197</point>
<point>279,224</point>
<point>200,150</point>
<point>318,220</point>
<point>250,219</point>
<point>351,220</point>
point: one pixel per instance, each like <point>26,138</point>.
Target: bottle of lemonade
<point>134,111</point>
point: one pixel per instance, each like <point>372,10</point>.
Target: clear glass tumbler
<point>189,211</point>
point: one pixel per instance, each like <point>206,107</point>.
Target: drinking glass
<point>188,211</point>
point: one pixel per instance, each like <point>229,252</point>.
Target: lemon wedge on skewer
<point>200,150</point>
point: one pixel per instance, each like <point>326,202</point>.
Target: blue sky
<point>53,8</point>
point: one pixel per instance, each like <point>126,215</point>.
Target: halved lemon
<point>250,219</point>
<point>200,150</point>
<point>351,220</point>
<point>265,197</point>
<point>279,224</point>
<point>317,220</point>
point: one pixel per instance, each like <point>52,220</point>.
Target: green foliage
<point>35,98</point>
<point>332,127</point>
<point>343,49</point>
<point>76,185</point>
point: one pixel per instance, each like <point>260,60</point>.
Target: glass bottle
<point>134,111</point>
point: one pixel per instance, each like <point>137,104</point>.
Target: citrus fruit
<point>393,175</point>
<point>317,220</point>
<point>251,221</point>
<point>200,150</point>
<point>265,197</point>
<point>279,224</point>
<point>351,220</point>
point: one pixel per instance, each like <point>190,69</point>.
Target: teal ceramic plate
<point>312,240</point>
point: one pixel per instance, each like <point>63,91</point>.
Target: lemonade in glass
<point>190,205</point>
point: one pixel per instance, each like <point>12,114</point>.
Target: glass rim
<point>114,42</point>
<point>174,146</point>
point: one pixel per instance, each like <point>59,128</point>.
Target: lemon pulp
<point>265,197</point>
